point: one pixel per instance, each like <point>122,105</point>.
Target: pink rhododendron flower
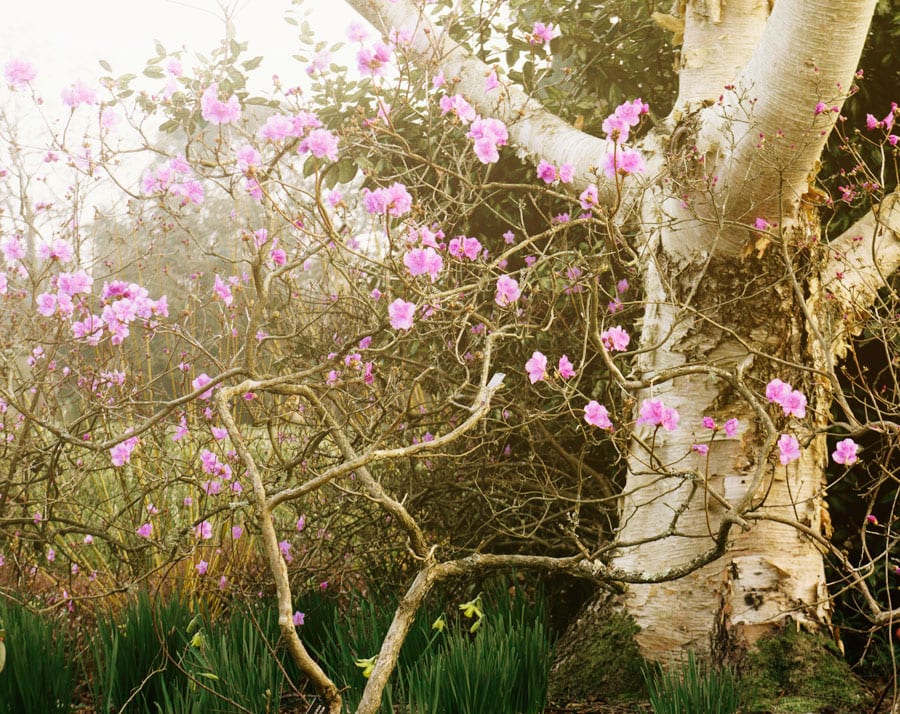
<point>730,428</point>
<point>401,314</point>
<point>145,531</point>
<point>222,290</point>
<point>394,200</point>
<point>588,198</point>
<point>597,415</point>
<point>507,291</point>
<point>458,106</point>
<point>491,83</point>
<point>566,368</point>
<point>78,93</point>
<point>203,530</point>
<point>544,33</point>
<point>615,339</point>
<point>321,143</point>
<point>372,61</point>
<point>121,452</point>
<point>546,172</point>
<point>236,532</point>
<point>761,224</point>
<point>655,413</point>
<point>488,134</point>
<point>792,401</point>
<point>285,548</point>
<point>200,381</point>
<point>218,112</point>
<point>421,261</point>
<point>622,286</point>
<point>709,423</point>
<point>276,128</point>
<point>19,72</point>
<point>846,452</point>
<point>702,449</point>
<point>788,449</point>
<point>202,567</point>
<point>463,246</point>
<point>536,367</point>
<point>623,162</point>
<point>247,158</point>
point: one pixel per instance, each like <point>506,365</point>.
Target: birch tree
<point>740,288</point>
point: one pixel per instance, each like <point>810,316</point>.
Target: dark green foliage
<point>37,676</point>
<point>503,668</point>
<point>693,688</point>
<point>133,653</point>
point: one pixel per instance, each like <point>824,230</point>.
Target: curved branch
<point>536,131</point>
<point>863,257</point>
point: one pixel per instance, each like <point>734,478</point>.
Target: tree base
<point>597,658</point>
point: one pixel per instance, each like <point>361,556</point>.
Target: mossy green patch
<point>794,671</point>
<point>601,661</point>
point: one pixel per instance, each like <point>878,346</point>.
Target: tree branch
<point>863,257</point>
<point>807,53</point>
<point>537,132</point>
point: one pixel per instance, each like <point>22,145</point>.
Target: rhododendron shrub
<point>311,334</point>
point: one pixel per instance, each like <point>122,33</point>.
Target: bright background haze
<point>65,39</point>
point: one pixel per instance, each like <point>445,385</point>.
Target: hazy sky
<point>66,38</point>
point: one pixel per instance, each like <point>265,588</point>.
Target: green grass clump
<point>693,688</point>
<point>37,675</point>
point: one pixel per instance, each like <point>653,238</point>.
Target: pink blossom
<point>46,304</point>
<point>546,171</point>
<point>820,108</point>
<point>701,449</point>
<point>109,118</point>
<point>372,61</point>
<point>597,415</point>
<point>655,413</point>
<point>78,93</point>
<point>491,83</point>
<point>421,261</point>
<point>622,286</point>
<point>276,128</point>
<point>394,200</point>
<point>217,112</point>
<point>247,158</point>
<point>19,72</point>
<point>321,143</point>
<point>630,112</point>
<point>709,423</point>
<point>121,452</point>
<point>616,128</point>
<point>200,381</point>
<point>203,530</point>
<point>202,567</point>
<point>145,531</point>
<point>459,107</point>
<point>588,198</point>
<point>615,339</point>
<point>74,283</point>
<point>761,224</point>
<point>488,134</point>
<point>623,162</point>
<point>285,548</point>
<point>544,33</point>
<point>507,291</point>
<point>730,427</point>
<point>222,290</point>
<point>401,314</point>
<point>566,368</point>
<point>236,532</point>
<point>509,237</point>
<point>794,404</point>
<point>776,390</point>
<point>536,367</point>
<point>298,618</point>
<point>789,449</point>
<point>845,452</point>
<point>301,523</point>
<point>566,173</point>
<point>464,246</point>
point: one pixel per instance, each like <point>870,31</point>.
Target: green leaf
<point>153,72</point>
<point>105,65</point>
<point>252,64</point>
